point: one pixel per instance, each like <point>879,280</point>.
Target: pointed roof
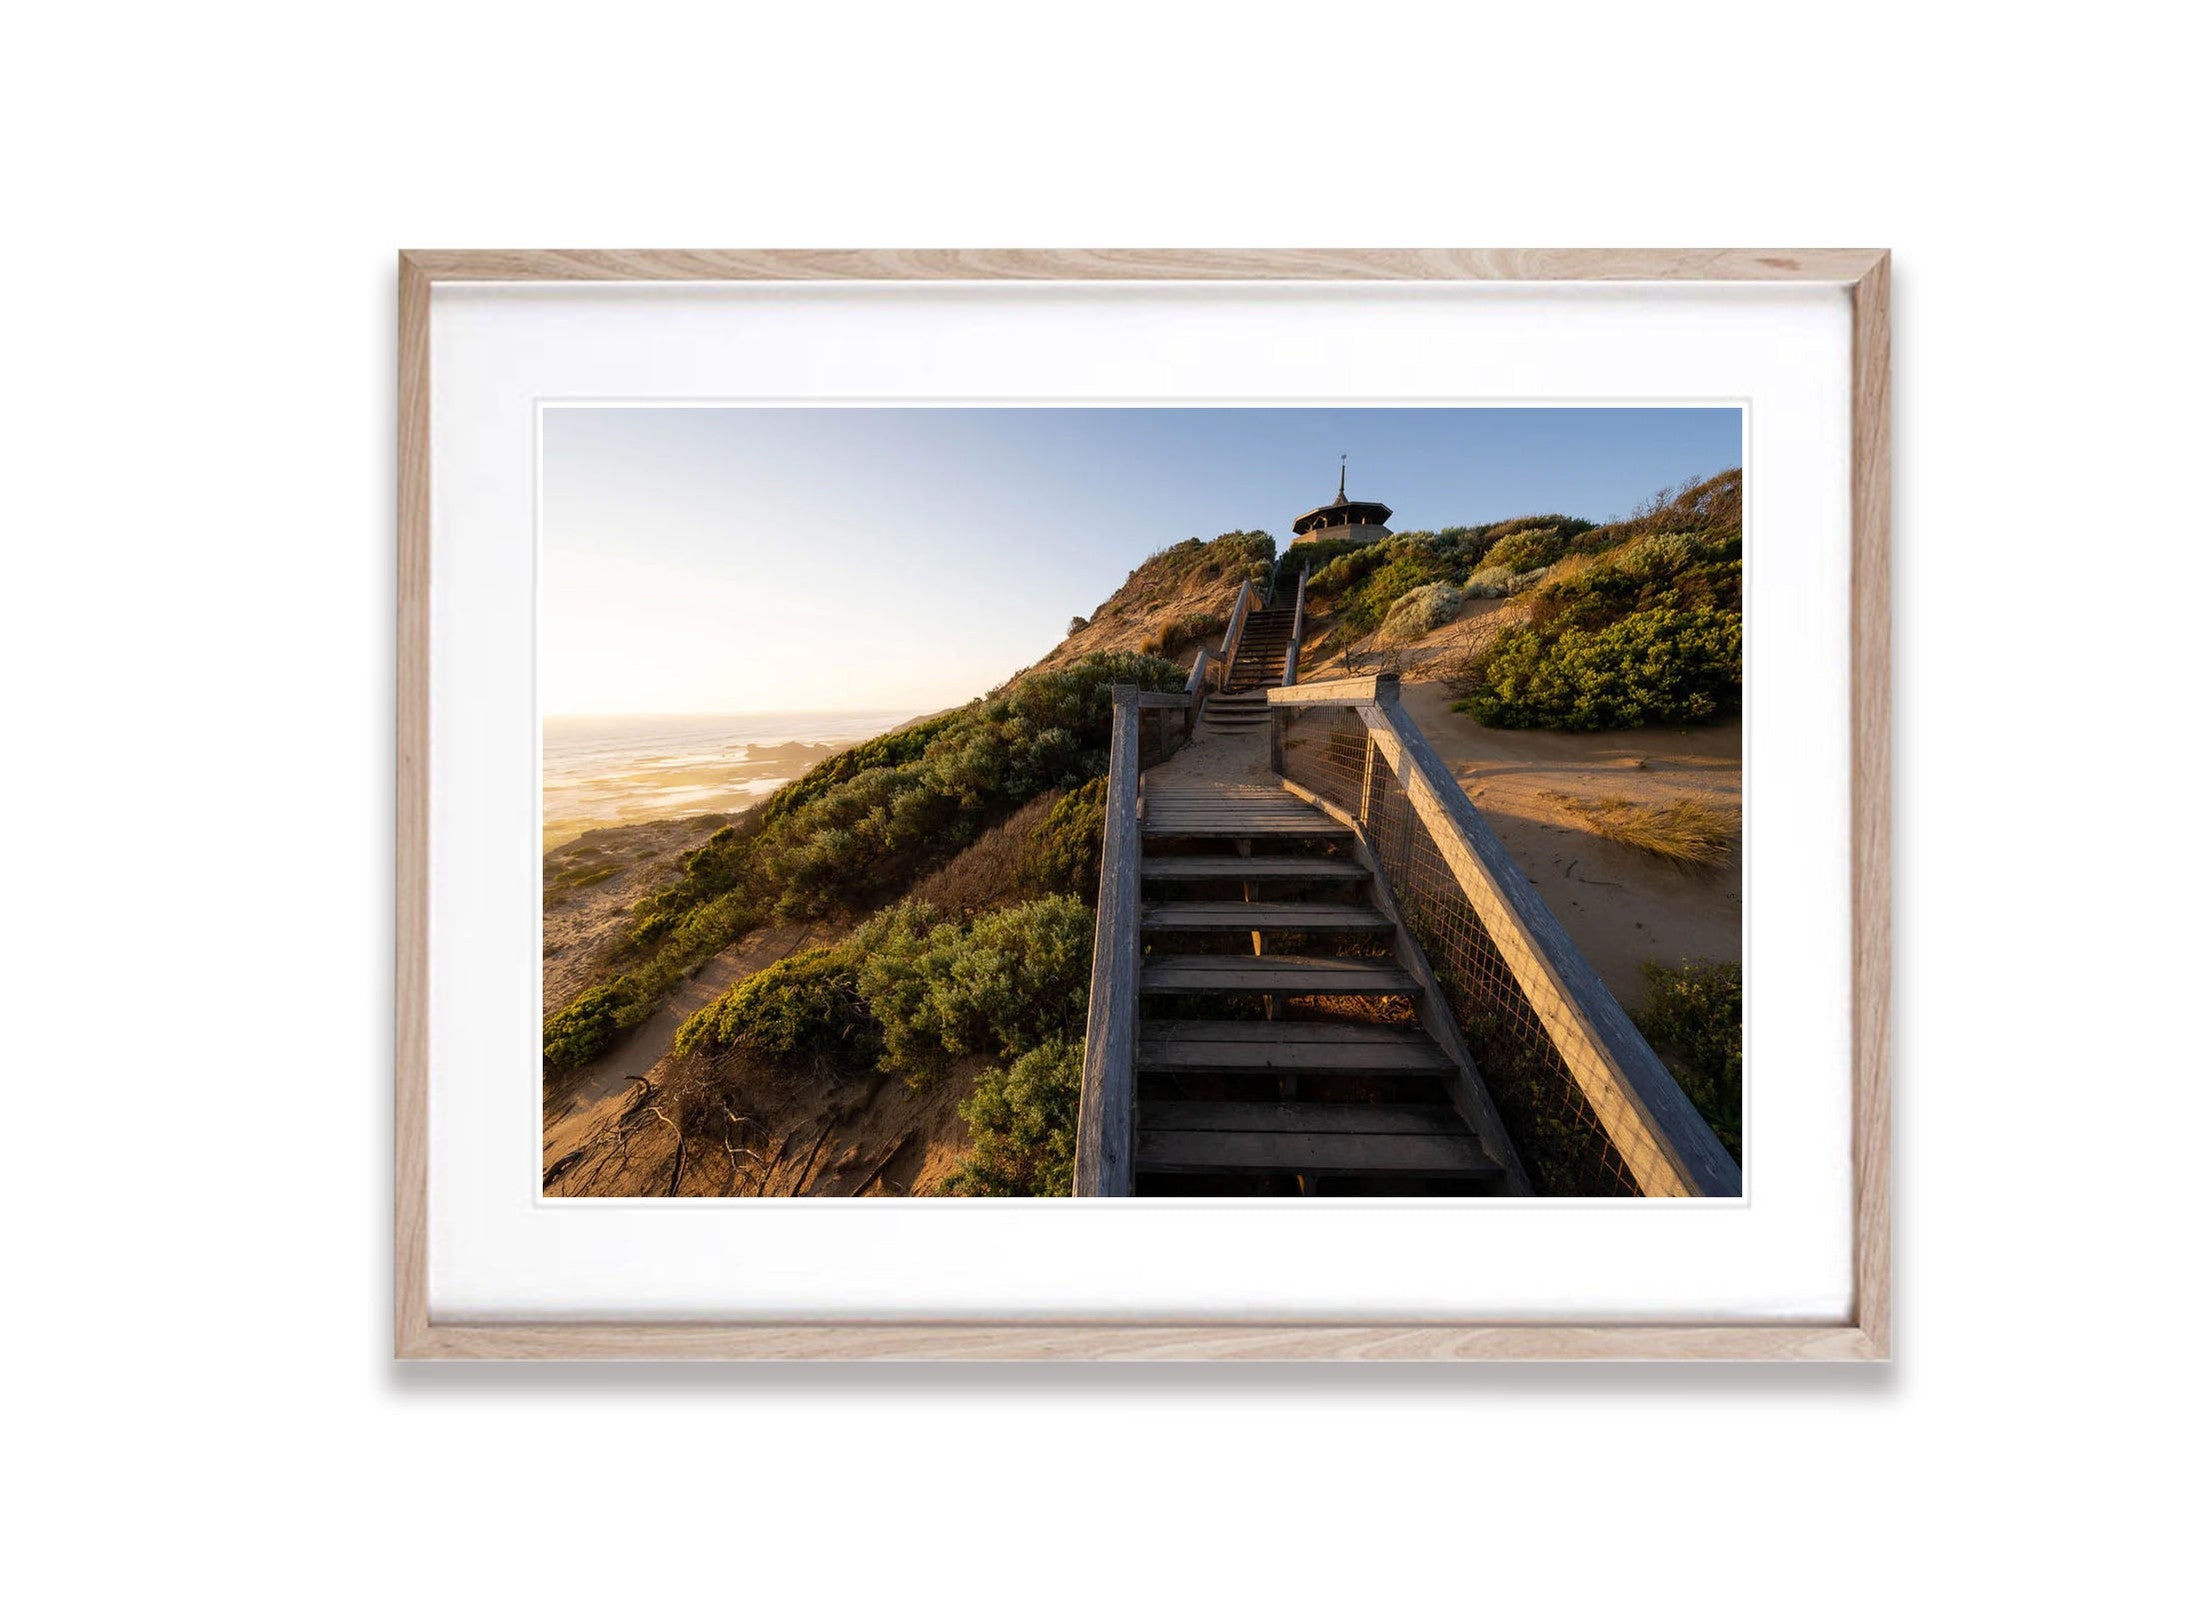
<point>1343,511</point>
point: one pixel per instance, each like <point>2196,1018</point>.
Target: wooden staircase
<point>1262,650</point>
<point>1236,714</point>
<point>1279,1049</point>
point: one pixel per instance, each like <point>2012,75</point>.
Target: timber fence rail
<point>1231,639</point>
<point>1107,1105</point>
<point>1589,1105</point>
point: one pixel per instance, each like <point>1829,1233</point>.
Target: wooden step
<point>1295,1116</point>
<point>1313,1048</point>
<point>1273,974</point>
<point>1234,813</point>
<point>1262,868</point>
<point>1273,916</point>
<point>1240,824</point>
<point>1309,1140</point>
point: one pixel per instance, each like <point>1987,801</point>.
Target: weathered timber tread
<point>1260,1032</point>
<point>1273,974</point>
<point>1269,868</point>
<point>1175,826</point>
<point>1277,916</point>
<point>1314,1060</point>
<point>1319,1048</point>
<point>1312,1154</point>
<point>1221,812</point>
<point>1240,1116</point>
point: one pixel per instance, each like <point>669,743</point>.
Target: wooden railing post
<point>1297,634</point>
<point>1195,685</point>
<point>1107,1106</point>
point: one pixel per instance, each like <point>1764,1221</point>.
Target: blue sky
<point>742,559</point>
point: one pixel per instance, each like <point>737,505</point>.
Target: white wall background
<point>198,513</point>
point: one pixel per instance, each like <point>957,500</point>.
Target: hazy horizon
<point>734,560</point>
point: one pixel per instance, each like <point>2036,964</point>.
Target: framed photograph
<point>1143,804</point>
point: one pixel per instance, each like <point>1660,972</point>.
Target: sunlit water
<point>609,771</point>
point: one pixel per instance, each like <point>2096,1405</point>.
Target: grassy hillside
<point>951,865</point>
<point>858,830</point>
<point>1177,599</point>
<point>991,813</point>
<point>1616,625</point>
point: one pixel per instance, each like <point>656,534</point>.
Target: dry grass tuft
<point>984,876</point>
<point>1692,832</point>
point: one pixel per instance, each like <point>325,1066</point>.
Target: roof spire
<point>1341,462</point>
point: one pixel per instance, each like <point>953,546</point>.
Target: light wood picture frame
<point>1863,1335</point>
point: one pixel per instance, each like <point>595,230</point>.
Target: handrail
<point>1107,1104</point>
<point>1297,633</point>
<point>1195,685</point>
<point>1650,1122</point>
<point>1236,633</point>
<point>1334,693</point>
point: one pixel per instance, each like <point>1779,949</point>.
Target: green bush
<point>1312,558</point>
<point>586,1028</point>
<point>1654,666</point>
<point>804,1010</point>
<point>1005,984</point>
<point>1363,584</point>
<point>1527,550</point>
<point>872,820</point>
<point>1646,628</point>
<point>1063,853</point>
<point>1418,610</point>
<point>1023,1125</point>
<point>1179,631</point>
<point>1693,1018</point>
<point>1347,566</point>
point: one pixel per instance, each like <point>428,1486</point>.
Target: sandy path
<point>1622,906</point>
<point>582,1099</point>
<point>1212,757</point>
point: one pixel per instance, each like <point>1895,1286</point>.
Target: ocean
<point>609,771</point>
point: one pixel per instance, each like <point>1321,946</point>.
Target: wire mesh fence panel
<point>1556,1131</point>
<point>1326,751</point>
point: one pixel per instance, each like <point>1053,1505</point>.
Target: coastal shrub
<point>1004,984</point>
<point>803,1010</point>
<point>1527,550</point>
<point>1496,583</point>
<point>989,874</point>
<point>888,810</point>
<point>585,1029</point>
<point>1062,855</point>
<point>1019,976</point>
<point>1023,1125</point>
<point>1348,566</point>
<point>1361,586</point>
<point>1311,558</point>
<point>1658,557</point>
<point>1418,610</point>
<point>1692,1017</point>
<point>1634,622</point>
<point>1654,666</point>
<point>1180,631</point>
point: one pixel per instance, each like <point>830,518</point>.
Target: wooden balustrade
<point>1107,1105</point>
<point>1236,633</point>
<point>1667,1146</point>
